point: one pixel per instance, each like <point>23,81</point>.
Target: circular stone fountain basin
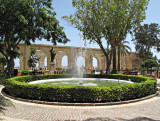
<point>81,82</point>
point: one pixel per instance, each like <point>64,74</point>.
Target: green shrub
<point>25,72</point>
<point>58,68</point>
<point>19,87</point>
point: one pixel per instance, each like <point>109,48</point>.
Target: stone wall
<point>43,51</point>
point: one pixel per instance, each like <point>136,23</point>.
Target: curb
<point>79,104</point>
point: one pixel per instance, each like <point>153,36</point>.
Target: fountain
<point>63,88</point>
<point>78,77</point>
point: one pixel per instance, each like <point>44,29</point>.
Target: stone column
<point>90,62</point>
<point>21,63</point>
<point>26,55</point>
<point>48,62</point>
<point>72,58</point>
<point>58,62</point>
<point>103,62</point>
<point>69,62</point>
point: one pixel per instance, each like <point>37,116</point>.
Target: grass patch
<point>99,83</point>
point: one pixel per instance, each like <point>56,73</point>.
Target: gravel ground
<point>147,110</point>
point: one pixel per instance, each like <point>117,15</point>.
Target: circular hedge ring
<point>19,87</point>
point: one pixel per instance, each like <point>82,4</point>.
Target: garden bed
<point>19,87</point>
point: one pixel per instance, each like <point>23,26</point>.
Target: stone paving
<point>147,110</point>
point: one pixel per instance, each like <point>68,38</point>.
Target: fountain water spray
<point>81,68</point>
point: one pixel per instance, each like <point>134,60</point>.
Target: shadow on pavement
<point>139,119</point>
<point>120,119</point>
<point>100,119</point>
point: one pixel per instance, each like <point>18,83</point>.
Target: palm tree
<point>123,49</point>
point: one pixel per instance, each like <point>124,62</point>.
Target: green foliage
<point>2,60</point>
<point>146,37</point>
<point>109,19</point>
<point>33,59</point>
<point>36,21</point>
<point>25,72</point>
<point>19,87</point>
<point>123,49</point>
<point>150,63</point>
<point>58,68</point>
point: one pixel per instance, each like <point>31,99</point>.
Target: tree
<point>146,37</point>
<point>149,64</point>
<point>123,17</point>
<point>2,60</point>
<point>123,50</point>
<point>24,21</point>
<point>109,19</point>
<point>2,63</point>
<point>33,59</point>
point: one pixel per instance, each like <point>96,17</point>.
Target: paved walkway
<point>147,110</point>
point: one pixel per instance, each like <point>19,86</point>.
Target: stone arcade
<point>129,61</point>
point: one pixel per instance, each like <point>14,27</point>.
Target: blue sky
<point>64,7</point>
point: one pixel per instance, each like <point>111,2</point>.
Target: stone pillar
<point>69,62</point>
<point>99,64</point>
<point>72,58</point>
<point>26,54</point>
<point>48,62</point>
<point>52,67</point>
<point>21,63</point>
<point>58,62</point>
<point>103,62</point>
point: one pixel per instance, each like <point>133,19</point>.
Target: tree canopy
<point>150,63</point>
<point>109,19</point>
<point>147,37</point>
<point>24,21</point>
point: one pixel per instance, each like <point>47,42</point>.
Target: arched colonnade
<point>72,53</point>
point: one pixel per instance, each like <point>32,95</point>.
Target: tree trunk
<point>10,67</point>
<point>108,63</point>
<point>119,56</point>
<point>114,59</point>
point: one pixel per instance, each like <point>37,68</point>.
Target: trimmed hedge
<point>19,87</point>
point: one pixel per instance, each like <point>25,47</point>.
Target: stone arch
<point>98,57</point>
<point>95,63</point>
<point>82,56</point>
<point>58,58</point>
<point>72,53</point>
<point>42,56</point>
<point>64,62</point>
<point>80,61</point>
<point>20,59</point>
<point>46,50</point>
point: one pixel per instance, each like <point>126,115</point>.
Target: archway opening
<point>42,60</point>
<point>95,63</point>
<point>65,62</point>
<point>17,63</point>
<point>45,63</point>
<point>80,62</point>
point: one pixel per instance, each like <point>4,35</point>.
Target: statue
<point>53,54</point>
